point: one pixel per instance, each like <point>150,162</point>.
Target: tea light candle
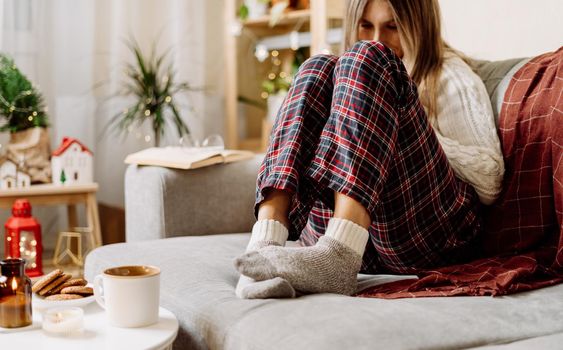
<point>63,320</point>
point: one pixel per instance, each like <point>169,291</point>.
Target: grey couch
<point>193,223</point>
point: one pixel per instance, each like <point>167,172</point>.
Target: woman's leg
<point>350,209</point>
<point>275,207</point>
<point>295,136</point>
<point>295,133</point>
<point>354,151</point>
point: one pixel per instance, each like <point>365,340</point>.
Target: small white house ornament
<point>72,163</point>
<point>12,176</point>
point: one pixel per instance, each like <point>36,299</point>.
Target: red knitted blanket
<point>524,228</point>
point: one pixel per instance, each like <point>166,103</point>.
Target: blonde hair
<point>419,26</point>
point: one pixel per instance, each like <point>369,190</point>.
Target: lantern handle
<point>98,291</point>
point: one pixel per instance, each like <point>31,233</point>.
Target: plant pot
<point>256,8</point>
<point>30,150</point>
<point>274,104</point>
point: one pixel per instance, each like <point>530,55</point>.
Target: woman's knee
<point>373,50</point>
<point>320,62</point>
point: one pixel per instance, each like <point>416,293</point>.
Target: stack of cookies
<point>58,285</point>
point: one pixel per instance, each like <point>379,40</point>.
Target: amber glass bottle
<point>15,294</point>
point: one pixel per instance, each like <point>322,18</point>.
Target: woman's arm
<point>466,130</point>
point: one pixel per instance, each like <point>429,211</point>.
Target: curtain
<point>69,47</point>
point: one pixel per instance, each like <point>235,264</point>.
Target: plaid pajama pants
<point>354,124</point>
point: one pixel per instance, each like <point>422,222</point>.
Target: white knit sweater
<point>466,130</point>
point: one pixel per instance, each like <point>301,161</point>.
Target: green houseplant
<point>153,85</point>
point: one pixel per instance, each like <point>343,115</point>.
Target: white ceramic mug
<point>129,294</point>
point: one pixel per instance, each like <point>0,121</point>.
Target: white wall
<point>501,29</point>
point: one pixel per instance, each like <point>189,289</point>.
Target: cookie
<point>70,283</point>
<point>45,280</point>
<point>59,297</point>
<point>48,289</point>
<point>84,291</point>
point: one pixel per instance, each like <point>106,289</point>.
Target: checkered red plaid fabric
<point>525,226</point>
<point>354,124</point>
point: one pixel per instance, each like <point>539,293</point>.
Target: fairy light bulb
<point>261,53</point>
<point>294,40</point>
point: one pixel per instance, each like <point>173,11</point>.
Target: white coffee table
<point>97,334</point>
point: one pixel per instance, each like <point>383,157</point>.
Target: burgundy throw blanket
<point>524,228</point>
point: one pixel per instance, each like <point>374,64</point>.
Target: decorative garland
<point>21,104</point>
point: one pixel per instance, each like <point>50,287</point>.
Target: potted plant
<point>154,86</point>
<point>252,9</point>
<point>23,111</point>
<point>276,86</point>
<point>274,90</point>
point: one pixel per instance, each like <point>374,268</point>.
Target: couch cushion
<point>198,281</point>
<point>496,75</point>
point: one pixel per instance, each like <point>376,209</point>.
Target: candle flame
<point>14,284</point>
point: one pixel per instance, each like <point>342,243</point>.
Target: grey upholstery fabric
<point>162,202</point>
<point>198,282</point>
<point>546,342</point>
<point>496,76</point>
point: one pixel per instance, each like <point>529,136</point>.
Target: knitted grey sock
<point>272,288</point>
<point>330,266</point>
<point>265,233</point>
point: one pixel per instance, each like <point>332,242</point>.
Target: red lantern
<point>23,238</point>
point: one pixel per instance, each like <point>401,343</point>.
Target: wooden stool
<point>77,258</point>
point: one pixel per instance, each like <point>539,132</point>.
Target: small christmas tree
<point>21,105</point>
<point>63,177</point>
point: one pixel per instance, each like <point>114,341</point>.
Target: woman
<point>379,159</point>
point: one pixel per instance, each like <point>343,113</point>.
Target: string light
<point>236,28</point>
<point>264,95</point>
<point>147,112</point>
<point>294,40</point>
<point>168,99</point>
<point>275,53</point>
<point>147,138</point>
<point>272,76</point>
<point>261,53</point>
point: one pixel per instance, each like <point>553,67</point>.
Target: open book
<point>186,157</point>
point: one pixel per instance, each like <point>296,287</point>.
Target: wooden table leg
<point>72,217</point>
<point>93,218</point>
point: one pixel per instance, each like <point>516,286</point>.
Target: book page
<point>185,157</point>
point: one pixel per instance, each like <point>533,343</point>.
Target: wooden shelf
<point>290,17</point>
<point>319,20</point>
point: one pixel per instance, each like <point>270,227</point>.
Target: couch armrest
<point>162,202</point>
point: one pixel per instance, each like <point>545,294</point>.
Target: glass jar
<point>15,294</point>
